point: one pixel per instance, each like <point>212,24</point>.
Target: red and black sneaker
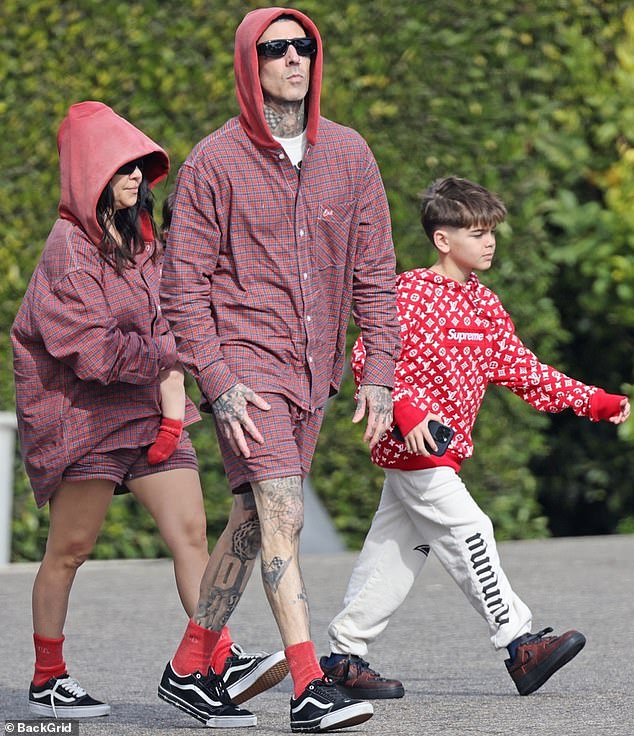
<point>538,657</point>
<point>356,679</point>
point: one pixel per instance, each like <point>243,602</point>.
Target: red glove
<point>604,406</point>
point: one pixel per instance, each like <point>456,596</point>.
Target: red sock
<point>49,660</point>
<point>221,651</point>
<point>194,651</point>
<point>166,441</point>
<point>302,662</point>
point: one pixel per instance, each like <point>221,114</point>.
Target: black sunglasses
<point>278,47</point>
<point>131,166</point>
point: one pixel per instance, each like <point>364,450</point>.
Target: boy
<point>456,339</point>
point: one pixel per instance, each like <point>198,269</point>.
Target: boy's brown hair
<point>456,202</point>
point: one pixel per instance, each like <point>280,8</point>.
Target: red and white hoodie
<point>456,340</point>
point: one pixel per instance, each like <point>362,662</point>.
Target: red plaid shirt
<point>88,347</point>
<point>263,265</point>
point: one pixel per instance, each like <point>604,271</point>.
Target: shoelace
<point>326,688</point>
<point>532,638</point>
<point>238,652</point>
<point>215,686</point>
<point>69,684</point>
<point>361,665</point>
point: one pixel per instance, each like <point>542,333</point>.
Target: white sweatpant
<point>419,510</point>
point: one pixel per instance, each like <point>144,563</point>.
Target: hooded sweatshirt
<point>457,339</point>
<point>263,265</point>
<point>88,343</point>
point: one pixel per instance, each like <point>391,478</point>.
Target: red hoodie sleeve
<point>540,385</point>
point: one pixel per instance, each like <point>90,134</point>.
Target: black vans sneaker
<point>322,707</point>
<point>63,697</point>
<point>205,698</point>
<point>246,675</point>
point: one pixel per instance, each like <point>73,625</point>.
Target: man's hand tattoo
<point>379,399</point>
<point>232,405</point>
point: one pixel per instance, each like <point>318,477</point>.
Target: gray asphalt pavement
<point>125,622</point>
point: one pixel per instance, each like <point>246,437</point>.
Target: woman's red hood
<point>248,88</point>
<point>93,142</point>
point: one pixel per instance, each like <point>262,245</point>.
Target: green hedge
<point>533,100</point>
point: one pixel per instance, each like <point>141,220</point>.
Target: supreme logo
<point>465,335</point>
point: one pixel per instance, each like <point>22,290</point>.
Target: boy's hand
<point>230,410</point>
<point>378,402</point>
<point>613,408</point>
<point>623,414</point>
<point>415,438</point>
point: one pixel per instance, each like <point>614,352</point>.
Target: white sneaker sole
<point>351,715</point>
<point>210,722</point>
<point>69,711</point>
<point>271,670</point>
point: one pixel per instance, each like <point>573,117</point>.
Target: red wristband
<point>604,406</point>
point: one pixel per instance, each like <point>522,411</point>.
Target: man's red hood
<point>93,142</point>
<point>248,89</point>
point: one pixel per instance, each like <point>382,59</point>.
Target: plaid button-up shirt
<point>88,348</point>
<point>263,265</point>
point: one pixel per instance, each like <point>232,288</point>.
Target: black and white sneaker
<point>322,707</point>
<point>246,675</point>
<point>205,698</point>
<point>63,697</point>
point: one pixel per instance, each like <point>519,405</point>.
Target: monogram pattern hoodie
<point>457,339</point>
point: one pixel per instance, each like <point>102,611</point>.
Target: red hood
<point>248,89</point>
<point>93,142</point>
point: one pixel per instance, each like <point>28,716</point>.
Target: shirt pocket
<point>332,233</point>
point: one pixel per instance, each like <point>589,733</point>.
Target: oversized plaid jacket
<point>263,265</point>
<point>89,343</point>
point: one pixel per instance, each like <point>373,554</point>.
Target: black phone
<point>441,433</point>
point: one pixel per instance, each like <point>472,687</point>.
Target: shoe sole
<point>543,672</point>
<point>211,722</point>
<point>352,715</point>
<point>371,693</point>
<point>268,674</point>
<point>69,711</point>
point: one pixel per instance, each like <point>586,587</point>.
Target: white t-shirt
<point>294,147</point>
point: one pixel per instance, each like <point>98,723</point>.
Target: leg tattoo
<point>227,582</point>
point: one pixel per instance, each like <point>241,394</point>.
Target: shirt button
<point>281,156</point>
<point>304,276</point>
<point>308,319</point>
<point>301,233</point>
<point>310,358</point>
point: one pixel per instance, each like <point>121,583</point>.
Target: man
<point>280,227</point>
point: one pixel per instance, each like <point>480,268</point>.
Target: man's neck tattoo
<point>285,121</point>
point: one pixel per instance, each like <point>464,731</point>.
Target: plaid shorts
<point>129,463</point>
<point>290,436</point>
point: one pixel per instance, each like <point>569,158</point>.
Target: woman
<point>89,345</point>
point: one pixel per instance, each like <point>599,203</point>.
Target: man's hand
<point>377,400</point>
<point>232,418</point>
